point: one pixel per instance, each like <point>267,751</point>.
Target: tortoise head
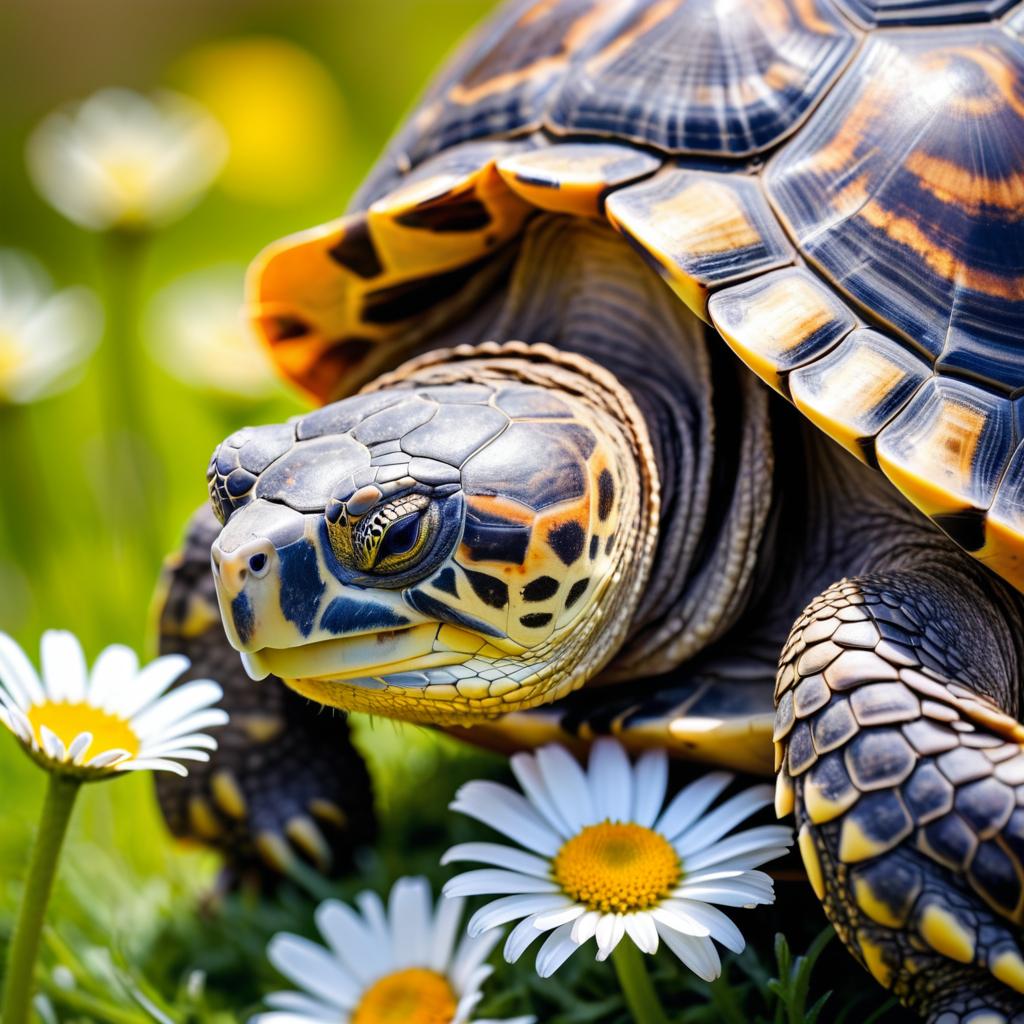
<point>458,543</point>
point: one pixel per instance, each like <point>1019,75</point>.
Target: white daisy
<point>393,966</point>
<point>45,336</point>
<point>116,718</point>
<point>202,336</point>
<point>123,160</point>
<point>604,860</point>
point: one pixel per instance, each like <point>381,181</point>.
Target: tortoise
<point>542,499</point>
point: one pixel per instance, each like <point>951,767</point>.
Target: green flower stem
<point>130,471</point>
<point>635,982</point>
<point>21,510</point>
<point>21,959</point>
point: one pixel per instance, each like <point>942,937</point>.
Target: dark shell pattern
<point>836,185</point>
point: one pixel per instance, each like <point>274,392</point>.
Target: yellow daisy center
<point>413,996</point>
<point>66,720</point>
<point>617,867</point>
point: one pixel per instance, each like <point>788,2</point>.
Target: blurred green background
<point>308,92</point>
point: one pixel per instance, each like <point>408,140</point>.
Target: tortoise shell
<point>836,185</point>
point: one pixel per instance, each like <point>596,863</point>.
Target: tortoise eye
<point>401,538</point>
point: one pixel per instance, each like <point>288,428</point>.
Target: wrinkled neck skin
<point>580,287</point>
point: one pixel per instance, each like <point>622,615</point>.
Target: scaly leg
<point>899,751</point>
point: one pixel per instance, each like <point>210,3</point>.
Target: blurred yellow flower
<point>200,335</point>
<point>283,114</point>
<point>123,160</point>
<point>45,336</point>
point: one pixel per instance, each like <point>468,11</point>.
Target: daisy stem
<point>24,949</point>
<point>637,987</point>
<point>131,453</point>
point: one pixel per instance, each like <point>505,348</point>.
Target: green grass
<point>136,931</point>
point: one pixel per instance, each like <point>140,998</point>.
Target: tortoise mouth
<point>363,658</point>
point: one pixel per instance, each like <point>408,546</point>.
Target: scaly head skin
<point>468,538</point>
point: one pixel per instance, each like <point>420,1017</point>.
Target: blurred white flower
<point>45,336</point>
<point>123,160</point>
<point>399,965</point>
<point>116,718</point>
<point>199,333</point>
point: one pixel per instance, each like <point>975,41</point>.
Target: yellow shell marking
<point>776,321</point>
<point>945,934</point>
<point>1008,967</point>
<point>940,465</point>
<point>852,389</point>
<point>821,808</point>
<point>809,855</point>
<point>878,910</point>
<point>874,960</point>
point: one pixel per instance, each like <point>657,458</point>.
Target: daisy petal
<point>520,939</point>
<point>114,669</point>
<point>500,856</point>
<point>764,837</point>
<point>507,811</point>
<point>675,914</point>
<point>721,819</point>
<point>409,913</point>
<point>64,670</point>
<point>312,968</point>
<point>298,1002</point>
<point>528,775</point>
<point>208,719</point>
<point>108,758</point>
<point>509,908</point>
<point>52,745</point>
<point>720,926</point>
<point>347,934</point>
<point>177,706</point>
<point>690,803</point>
<point>376,922</point>
<point>153,764</point>
<point>699,955</point>
<point>610,777</point>
<point>18,675</point>
<point>445,928</point>
<point>726,895</point>
<point>650,782</point>
<point>472,952</point>
<point>556,918</point>
<point>493,882</point>
<point>641,929</point>
<point>567,786</point>
<point>610,930</point>
<point>78,747</point>
<point>585,928</point>
<point>557,948</point>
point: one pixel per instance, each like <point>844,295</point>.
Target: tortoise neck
<point>580,286</point>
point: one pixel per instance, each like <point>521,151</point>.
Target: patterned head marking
<point>441,549</point>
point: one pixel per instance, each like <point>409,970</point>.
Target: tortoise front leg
<point>900,754</point>
<point>285,781</point>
